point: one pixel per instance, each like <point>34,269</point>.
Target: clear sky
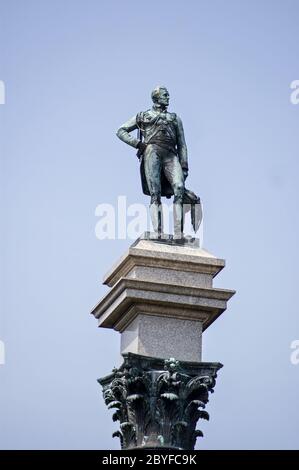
<point>74,71</point>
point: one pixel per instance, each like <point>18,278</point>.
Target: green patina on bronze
<point>163,156</point>
<point>159,402</point>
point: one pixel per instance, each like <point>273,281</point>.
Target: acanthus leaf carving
<point>159,403</point>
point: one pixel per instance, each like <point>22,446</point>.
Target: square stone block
<point>163,337</point>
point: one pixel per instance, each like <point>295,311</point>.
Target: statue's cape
<point>166,189</point>
<point>191,201</point>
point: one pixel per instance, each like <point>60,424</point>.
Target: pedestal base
<point>163,337</point>
<point>167,279</point>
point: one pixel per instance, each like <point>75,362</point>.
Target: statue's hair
<point>156,92</point>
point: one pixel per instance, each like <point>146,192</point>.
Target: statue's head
<point>160,96</point>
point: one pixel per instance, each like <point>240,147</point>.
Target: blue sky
<point>73,72</point>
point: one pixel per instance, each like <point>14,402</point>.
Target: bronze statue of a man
<point>163,155</point>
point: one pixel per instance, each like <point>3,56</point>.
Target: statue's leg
<point>174,174</point>
<point>152,169</point>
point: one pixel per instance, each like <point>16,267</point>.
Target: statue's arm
<point>181,145</point>
<point>123,133</point>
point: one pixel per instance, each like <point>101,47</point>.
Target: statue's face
<point>163,98</point>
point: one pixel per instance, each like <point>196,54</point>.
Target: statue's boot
<point>156,218</point>
<point>178,221</point>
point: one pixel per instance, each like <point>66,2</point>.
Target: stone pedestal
<point>163,337</point>
<point>161,299</point>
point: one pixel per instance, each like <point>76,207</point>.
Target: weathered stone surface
<point>173,256</point>
<point>170,276</point>
<point>130,297</point>
<point>163,337</point>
